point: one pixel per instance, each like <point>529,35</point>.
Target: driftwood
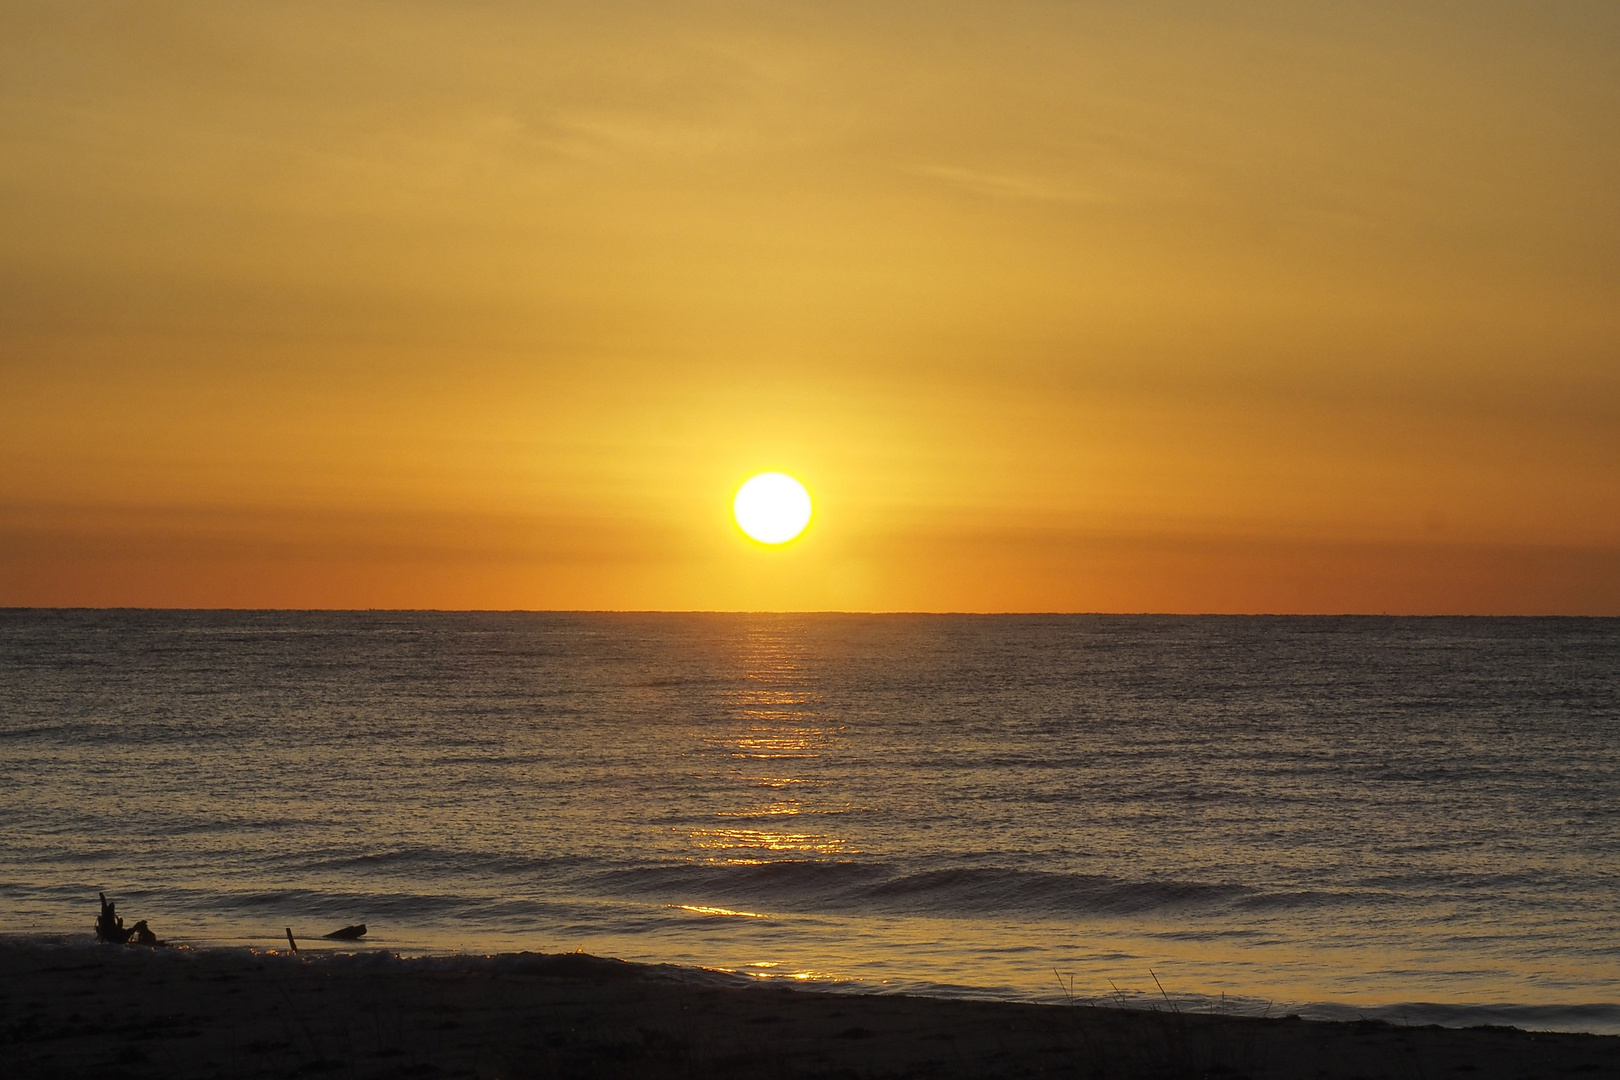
<point>110,927</point>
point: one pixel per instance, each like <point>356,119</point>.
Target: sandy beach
<point>135,1012</point>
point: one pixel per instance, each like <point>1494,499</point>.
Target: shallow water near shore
<point>1340,815</point>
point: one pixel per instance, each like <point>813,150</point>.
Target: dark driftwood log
<point>109,927</point>
<point>348,933</point>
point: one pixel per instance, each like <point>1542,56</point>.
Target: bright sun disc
<point>772,508</point>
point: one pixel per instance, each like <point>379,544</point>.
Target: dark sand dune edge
<point>132,1012</point>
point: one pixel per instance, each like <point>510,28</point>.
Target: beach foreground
<point>134,1012</point>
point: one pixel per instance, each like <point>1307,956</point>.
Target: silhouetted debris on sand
<point>110,927</point>
<point>179,1013</point>
<point>348,933</point>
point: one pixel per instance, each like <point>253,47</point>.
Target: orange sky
<point>1057,306</point>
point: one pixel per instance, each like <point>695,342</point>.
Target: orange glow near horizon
<point>1092,308</point>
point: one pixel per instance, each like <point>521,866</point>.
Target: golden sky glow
<point>1056,306</point>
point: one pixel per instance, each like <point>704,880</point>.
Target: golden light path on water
<point>699,909</point>
<point>770,727</point>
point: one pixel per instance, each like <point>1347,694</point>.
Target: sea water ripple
<point>1344,814</point>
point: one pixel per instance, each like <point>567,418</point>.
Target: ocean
<point>1411,819</point>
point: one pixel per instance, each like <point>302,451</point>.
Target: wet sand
<point>115,1011</point>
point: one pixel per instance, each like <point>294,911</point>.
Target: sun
<point>772,507</point>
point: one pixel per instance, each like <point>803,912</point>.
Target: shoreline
<point>71,1009</point>
<point>1567,1017</point>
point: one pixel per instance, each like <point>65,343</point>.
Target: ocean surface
<point>1415,819</point>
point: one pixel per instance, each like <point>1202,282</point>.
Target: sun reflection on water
<point>774,716</point>
<point>774,810</point>
<point>702,909</point>
<point>722,840</point>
